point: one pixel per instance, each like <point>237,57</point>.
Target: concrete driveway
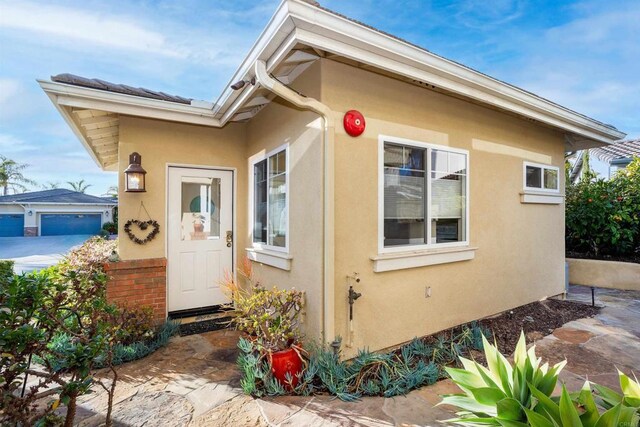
<point>35,253</point>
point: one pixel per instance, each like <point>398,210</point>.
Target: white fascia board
<point>323,30</point>
<point>81,97</point>
<point>275,33</point>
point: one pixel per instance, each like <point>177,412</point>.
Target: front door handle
<point>229,239</point>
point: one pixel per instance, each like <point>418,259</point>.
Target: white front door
<point>200,236</point>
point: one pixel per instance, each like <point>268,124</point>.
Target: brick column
<point>140,282</point>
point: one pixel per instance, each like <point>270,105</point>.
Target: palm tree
<point>50,185</point>
<point>11,177</point>
<point>112,192</point>
<point>79,186</point>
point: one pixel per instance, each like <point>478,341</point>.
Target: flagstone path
<point>194,380</point>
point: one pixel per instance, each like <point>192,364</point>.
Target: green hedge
<point>603,217</point>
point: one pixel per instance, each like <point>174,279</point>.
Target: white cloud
<point>10,144</point>
<point>96,29</point>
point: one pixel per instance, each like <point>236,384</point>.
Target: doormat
<point>204,326</point>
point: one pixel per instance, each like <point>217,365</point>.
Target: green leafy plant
<point>110,227</point>
<point>270,316</point>
<point>6,270</point>
<point>583,408</point>
<point>60,318</point>
<point>499,393</point>
<point>603,217</point>
<point>502,395</point>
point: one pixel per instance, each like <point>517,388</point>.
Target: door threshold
<point>200,313</point>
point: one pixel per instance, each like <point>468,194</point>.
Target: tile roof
<point>619,150</point>
<point>117,88</point>
<point>146,93</point>
<point>57,195</point>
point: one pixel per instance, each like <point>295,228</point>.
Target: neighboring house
<point>605,161</point>
<point>448,208</point>
<point>53,213</point>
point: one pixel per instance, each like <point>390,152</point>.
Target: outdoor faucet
<point>353,296</point>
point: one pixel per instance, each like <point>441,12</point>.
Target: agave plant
<point>499,393</point>
<point>583,408</point>
<point>502,395</point>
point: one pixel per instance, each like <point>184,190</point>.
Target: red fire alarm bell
<point>354,123</point>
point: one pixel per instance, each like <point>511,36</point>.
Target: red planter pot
<point>283,362</point>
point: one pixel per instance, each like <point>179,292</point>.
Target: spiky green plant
<point>499,393</point>
<point>582,409</point>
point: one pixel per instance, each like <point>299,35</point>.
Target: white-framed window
<point>270,200</point>
<point>423,195</point>
<point>538,177</point>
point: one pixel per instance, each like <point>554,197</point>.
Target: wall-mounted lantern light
<point>134,175</point>
<point>30,213</point>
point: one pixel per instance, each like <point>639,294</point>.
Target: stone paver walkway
<point>194,380</point>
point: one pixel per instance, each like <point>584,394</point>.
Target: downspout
<point>271,84</point>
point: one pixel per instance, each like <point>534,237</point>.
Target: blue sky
<point>583,55</point>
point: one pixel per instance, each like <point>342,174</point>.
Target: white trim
<point>82,97</point>
<point>541,198</point>
<point>275,259</point>
<point>542,167</point>
<point>404,260</point>
<point>253,160</point>
<point>427,146</point>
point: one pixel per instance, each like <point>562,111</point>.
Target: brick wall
<point>30,231</point>
<point>141,282</point>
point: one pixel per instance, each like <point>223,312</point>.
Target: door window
<point>200,213</point>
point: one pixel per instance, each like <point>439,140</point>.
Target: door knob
<point>229,239</point>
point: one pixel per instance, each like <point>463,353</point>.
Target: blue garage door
<point>62,224</point>
<point>11,225</point>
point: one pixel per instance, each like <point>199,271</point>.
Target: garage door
<point>62,224</point>
<point>11,225</point>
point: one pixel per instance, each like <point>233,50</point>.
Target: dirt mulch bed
<point>536,320</point>
<point>635,258</point>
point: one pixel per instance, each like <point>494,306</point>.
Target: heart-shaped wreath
<point>142,225</point>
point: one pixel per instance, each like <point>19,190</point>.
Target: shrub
<point>6,270</point>
<point>110,227</point>
<point>61,317</point>
<point>603,217</point>
<point>270,316</point>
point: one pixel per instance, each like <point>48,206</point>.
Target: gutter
<point>328,295</point>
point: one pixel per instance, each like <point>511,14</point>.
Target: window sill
<point>528,196</point>
<point>275,259</point>
<point>403,260</point>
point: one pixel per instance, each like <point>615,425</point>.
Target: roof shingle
<point>72,79</point>
<point>57,195</point>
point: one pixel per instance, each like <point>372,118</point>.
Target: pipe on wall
<point>279,89</point>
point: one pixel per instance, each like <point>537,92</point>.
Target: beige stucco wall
<point>160,143</point>
<point>277,124</point>
<point>604,274</point>
<point>520,256</point>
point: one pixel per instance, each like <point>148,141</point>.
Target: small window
<point>270,188</point>
<point>424,195</point>
<point>541,177</point>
